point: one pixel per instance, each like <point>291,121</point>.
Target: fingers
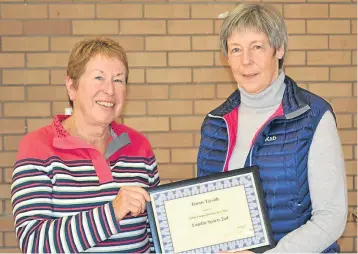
<point>135,208</point>
<point>139,190</point>
<point>130,199</point>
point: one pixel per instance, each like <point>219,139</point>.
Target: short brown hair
<point>84,50</point>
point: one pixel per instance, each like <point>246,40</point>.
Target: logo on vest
<point>272,138</point>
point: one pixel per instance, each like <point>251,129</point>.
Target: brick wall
<point>177,73</point>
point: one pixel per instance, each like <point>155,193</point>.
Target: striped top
<point>62,190</point>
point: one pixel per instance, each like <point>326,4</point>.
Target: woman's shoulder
<point>135,136</point>
<point>35,142</point>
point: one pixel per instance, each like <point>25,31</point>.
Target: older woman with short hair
<point>288,132</point>
<point>78,183</point>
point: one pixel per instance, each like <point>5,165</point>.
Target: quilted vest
<point>280,150</point>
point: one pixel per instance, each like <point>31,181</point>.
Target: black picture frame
<point>211,179</point>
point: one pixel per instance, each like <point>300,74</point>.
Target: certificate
<point>221,212</point>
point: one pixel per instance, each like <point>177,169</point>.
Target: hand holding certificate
<point>221,212</point>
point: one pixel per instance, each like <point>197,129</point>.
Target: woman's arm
<point>327,185</point>
<point>39,228</point>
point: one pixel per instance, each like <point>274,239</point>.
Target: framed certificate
<point>221,212</point>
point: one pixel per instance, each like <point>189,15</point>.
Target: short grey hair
<point>257,17</point>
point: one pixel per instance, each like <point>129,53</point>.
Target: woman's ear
<point>280,52</point>
<point>71,91</point>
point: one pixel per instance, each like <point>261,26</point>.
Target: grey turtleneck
<point>326,175</point>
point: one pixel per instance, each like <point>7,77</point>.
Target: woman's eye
<point>99,78</point>
<point>235,50</point>
<point>257,47</point>
<point>118,81</point>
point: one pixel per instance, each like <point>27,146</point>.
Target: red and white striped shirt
<point>62,190</point>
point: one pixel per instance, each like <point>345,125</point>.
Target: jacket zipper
<point>228,133</point>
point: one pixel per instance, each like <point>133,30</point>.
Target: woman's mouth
<point>105,104</point>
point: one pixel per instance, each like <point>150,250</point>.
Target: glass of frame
<point>220,212</point>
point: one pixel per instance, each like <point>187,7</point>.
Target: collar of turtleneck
<point>270,97</point>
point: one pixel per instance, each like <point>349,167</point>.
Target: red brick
<point>306,10</point>
<point>308,73</point>
<point>213,75</point>
<point>295,26</point>
<point>170,107</point>
<point>343,73</point>
<point>202,107</point>
<point>129,43</point>
<point>192,91</point>
<point>348,137</point>
<point>210,11</point>
<point>170,140</point>
<point>173,75</point>
<point>143,27</point>
<point>328,26</point>
<point>346,244</point>
<point>190,26</point>
<point>331,89</point>
<point>24,11</point>
<point>343,11</point>
<point>302,42</point>
<point>344,105</point>
<point>295,58</point>
<point>25,44</point>
<point>354,26</point>
<point>136,76</point>
<point>47,59</point>
<point>8,178</point>
<point>58,76</point>
<point>34,124</point>
<point>176,171</point>
<point>146,59</point>
<point>344,121</point>
<point>12,126</point>
<point>25,77</point>
<point>351,229</point>
<point>217,25</point>
<point>97,27</point>
<point>10,27</point>
<point>9,60</point>
<point>46,93</point>
<point>7,159</point>
<point>221,59</point>
<point>343,42</point>
<point>185,155</point>
<point>328,57</point>
<point>350,184</point>
<point>119,11</point>
<point>27,109</point>
<point>58,107</point>
<point>6,222</point>
<point>12,250</point>
<point>148,123</point>
<point>162,156</point>
<point>71,11</point>
<point>12,93</point>
<point>143,92</point>
<point>167,43</point>
<point>191,59</point>
<point>167,11</point>
<point>205,42</point>
<point>347,152</point>
<point>11,239</point>
<point>47,27</point>
<point>350,167</point>
<point>132,108</point>
<point>186,123</point>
